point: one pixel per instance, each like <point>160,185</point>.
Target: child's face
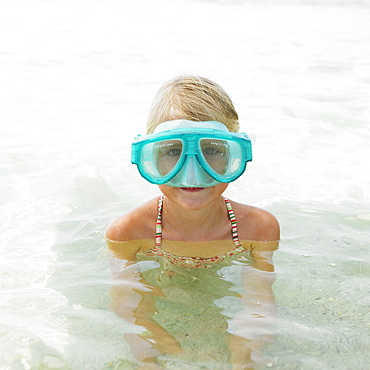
<point>193,198</point>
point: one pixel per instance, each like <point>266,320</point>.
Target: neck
<point>195,224</point>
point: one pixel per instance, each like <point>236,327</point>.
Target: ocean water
<point>76,82</point>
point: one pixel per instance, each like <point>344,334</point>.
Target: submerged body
<point>181,291</point>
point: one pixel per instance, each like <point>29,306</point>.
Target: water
<point>77,79</point>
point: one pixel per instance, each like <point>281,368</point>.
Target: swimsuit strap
<point>234,227</point>
<point>158,226</point>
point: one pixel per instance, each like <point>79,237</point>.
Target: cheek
<point>165,189</point>
<point>221,187</point>
<point>166,164</point>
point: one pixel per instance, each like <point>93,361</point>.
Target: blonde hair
<point>193,98</point>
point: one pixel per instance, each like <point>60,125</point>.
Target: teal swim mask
<point>184,153</point>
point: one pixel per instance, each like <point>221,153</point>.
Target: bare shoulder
<point>255,223</point>
<point>134,225</point>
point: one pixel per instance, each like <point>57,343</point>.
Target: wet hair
<point>193,98</point>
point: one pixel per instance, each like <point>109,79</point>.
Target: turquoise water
<point>77,79</point>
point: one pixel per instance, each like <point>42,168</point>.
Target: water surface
<point>77,81</point>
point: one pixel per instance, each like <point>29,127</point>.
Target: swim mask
<point>184,153</point>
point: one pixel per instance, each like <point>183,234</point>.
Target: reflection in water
<point>222,315</point>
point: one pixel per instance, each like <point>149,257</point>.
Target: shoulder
<point>255,223</point>
<point>137,224</point>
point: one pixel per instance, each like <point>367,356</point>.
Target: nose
<point>193,172</point>
<point>192,175</point>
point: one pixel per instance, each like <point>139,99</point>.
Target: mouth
<point>192,189</point>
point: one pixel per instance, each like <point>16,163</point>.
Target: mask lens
<point>169,153</point>
<point>161,157</point>
<point>222,156</point>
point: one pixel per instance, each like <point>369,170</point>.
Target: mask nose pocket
<point>192,175</point>
<point>193,171</point>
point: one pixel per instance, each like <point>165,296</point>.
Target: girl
<point>191,235</point>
